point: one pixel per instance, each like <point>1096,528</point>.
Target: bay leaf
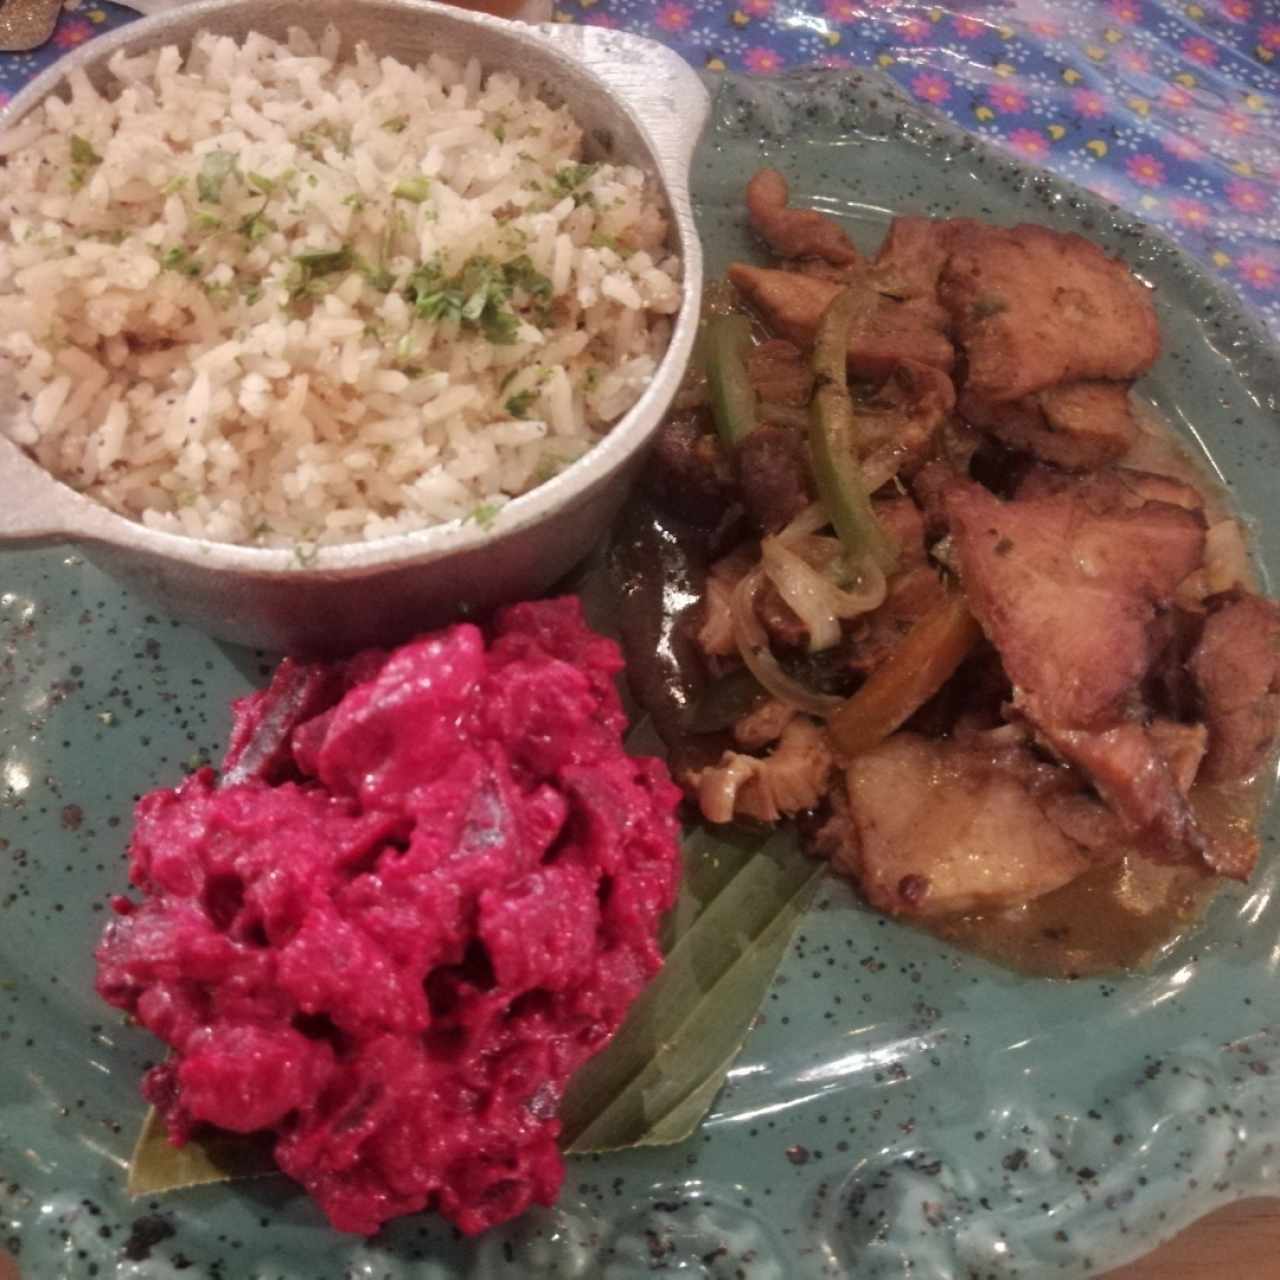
<point>655,1081</point>
<point>157,1165</point>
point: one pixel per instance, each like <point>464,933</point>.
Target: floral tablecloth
<point>1169,109</point>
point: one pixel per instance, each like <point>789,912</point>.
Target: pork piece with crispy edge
<point>1236,667</point>
<point>1112,488</point>
<point>1080,816</point>
<point>1079,425</point>
<point>1140,773</point>
<point>795,233</point>
<point>1032,307</point>
<point>885,332</point>
<point>1068,594</point>
<point>780,373</point>
<point>909,262</point>
<point>898,419</point>
<point>948,826</point>
<point>1139,785</point>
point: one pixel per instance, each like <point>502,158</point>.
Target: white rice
<point>477,308</point>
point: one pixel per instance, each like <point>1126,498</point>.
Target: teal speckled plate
<point>901,1109</point>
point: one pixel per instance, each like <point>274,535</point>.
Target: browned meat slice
<point>1067,595</point>
<point>1032,307</point>
<point>1183,747</point>
<point>889,333</point>
<point>909,262</point>
<point>821,270</point>
<point>780,373</point>
<point>1067,590</point>
<point>944,827</point>
<point>791,304</point>
<point>773,473</point>
<point>1169,688</point>
<point>1138,784</point>
<point>1086,820</point>
<point>903,521</point>
<point>687,470</point>
<point>1143,774</point>
<point>1237,668</point>
<point>886,332</point>
<point>795,233</point>
<point>1096,416</point>
<point>898,419</point>
<point>1112,489</point>
<point>1179,746</point>
<point>1081,425</point>
<point>1225,569</point>
<point>929,487</point>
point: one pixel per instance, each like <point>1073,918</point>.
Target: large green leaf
<point>741,900</point>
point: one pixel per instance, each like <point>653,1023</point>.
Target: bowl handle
<point>33,506</point>
<point>37,508</point>
<point>661,88</point>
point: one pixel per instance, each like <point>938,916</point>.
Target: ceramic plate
<point>901,1108</point>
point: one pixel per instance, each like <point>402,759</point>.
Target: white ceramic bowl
<point>641,104</point>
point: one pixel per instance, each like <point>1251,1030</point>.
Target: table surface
<point>1240,1242</point>
<point>1169,109</point>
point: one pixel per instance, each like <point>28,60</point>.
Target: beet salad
<point>424,890</point>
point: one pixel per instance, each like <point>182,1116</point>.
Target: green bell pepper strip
<point>833,443</point>
<point>733,398</point>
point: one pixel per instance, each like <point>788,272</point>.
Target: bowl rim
<point>79,518</point>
